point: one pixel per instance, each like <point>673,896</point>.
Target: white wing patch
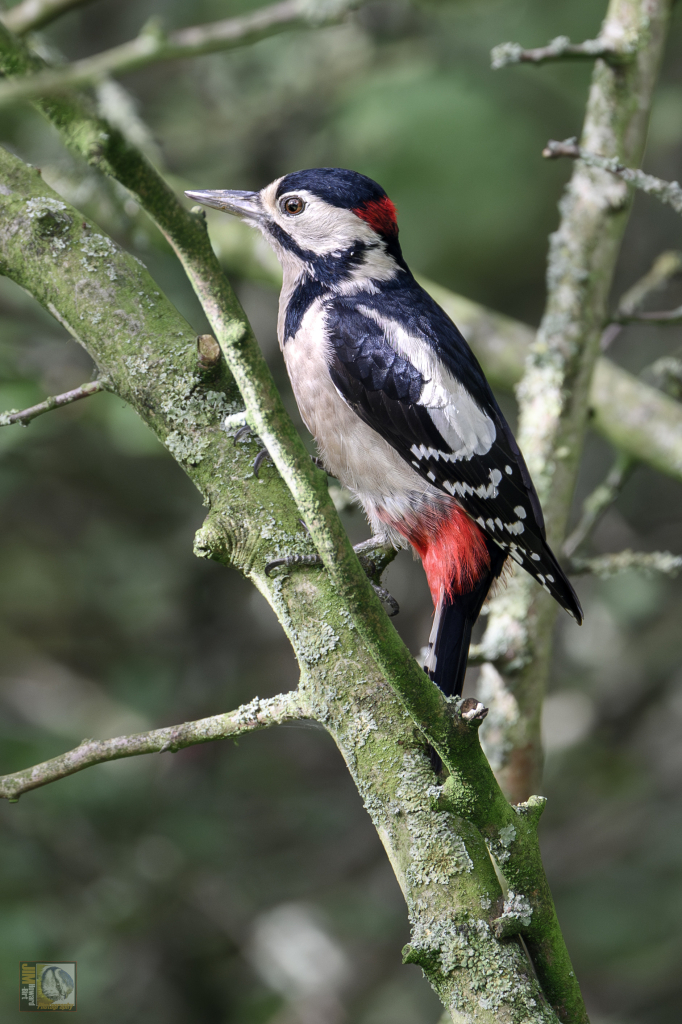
<point>467,429</point>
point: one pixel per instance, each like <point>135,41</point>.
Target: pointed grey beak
<point>241,204</point>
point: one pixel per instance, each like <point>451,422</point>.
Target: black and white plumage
<point>399,407</point>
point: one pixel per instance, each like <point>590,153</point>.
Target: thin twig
<point>664,268</point>
<point>259,714</point>
<point>599,500</point>
<point>560,48</point>
<point>34,14</point>
<point>647,561</point>
<point>25,416</point>
<point>668,192</point>
<point>153,45</point>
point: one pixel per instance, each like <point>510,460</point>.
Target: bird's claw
<point>292,560</point>
<point>263,454</point>
<point>242,432</point>
<point>386,598</point>
<point>360,549</point>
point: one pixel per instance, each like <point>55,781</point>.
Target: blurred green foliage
<point>164,876</point>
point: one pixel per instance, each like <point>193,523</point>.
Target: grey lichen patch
<point>360,725</point>
<point>315,642</point>
<point>282,542</point>
<point>516,911</point>
<point>187,448</point>
<point>51,221</point>
<point>185,404</point>
<point>137,366</point>
<point>499,848</point>
<point>437,851</point>
<point>474,974</point>
<point>98,251</point>
<point>42,206</point>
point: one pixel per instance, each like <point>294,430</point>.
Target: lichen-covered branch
<point>561,48</point>
<point>258,714</point>
<point>646,561</point>
<point>153,45</point>
<point>668,192</point>
<point>30,15</point>
<point>24,416</point>
<point>439,849</point>
<point>599,500</point>
<point>554,394</point>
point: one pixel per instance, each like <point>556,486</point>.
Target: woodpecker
<point>399,407</point>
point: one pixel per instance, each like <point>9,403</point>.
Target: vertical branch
<point>553,394</point>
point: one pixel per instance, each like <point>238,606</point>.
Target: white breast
<point>351,451</point>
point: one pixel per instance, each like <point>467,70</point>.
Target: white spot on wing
<point>520,511</point>
<point>508,470</point>
<point>536,558</point>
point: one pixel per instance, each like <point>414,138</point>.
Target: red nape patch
<point>381,215</point>
<point>453,553</point>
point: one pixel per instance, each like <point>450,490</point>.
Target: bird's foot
<point>373,546</point>
<point>262,455</point>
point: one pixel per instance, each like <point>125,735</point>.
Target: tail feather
<point>446,661</point>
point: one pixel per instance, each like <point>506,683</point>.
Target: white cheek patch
<point>321,228</point>
<point>467,429</point>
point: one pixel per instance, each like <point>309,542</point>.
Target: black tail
<point>446,662</point>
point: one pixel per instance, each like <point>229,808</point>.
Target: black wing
<point>456,439</point>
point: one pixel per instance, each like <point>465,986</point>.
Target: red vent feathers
<point>381,215</point>
<point>452,550</point>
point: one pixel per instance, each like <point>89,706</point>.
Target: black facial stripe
<point>330,268</point>
<point>304,294</point>
<point>284,239</point>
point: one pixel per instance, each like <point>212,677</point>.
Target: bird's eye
<point>293,205</point>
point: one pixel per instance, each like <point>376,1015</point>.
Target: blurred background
<point>244,882</point>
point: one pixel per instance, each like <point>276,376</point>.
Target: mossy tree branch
<point>554,394</point>
<point>438,847</point>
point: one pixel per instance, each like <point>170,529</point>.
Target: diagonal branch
<point>561,48</point>
<point>664,268</point>
<point>149,353</point>
<point>647,561</point>
<point>563,373</point>
<point>54,402</point>
<point>153,45</point>
<point>258,714</point>
<point>34,14</point>
<point>599,500</point>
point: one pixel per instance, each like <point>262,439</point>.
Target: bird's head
<point>335,225</point>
